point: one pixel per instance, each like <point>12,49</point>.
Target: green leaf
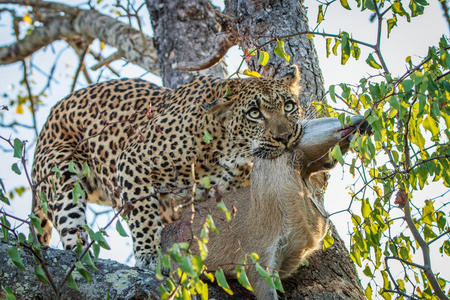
<point>222,282</point>
<point>185,295</point>
<point>227,92</point>
<point>336,153</point>
<point>57,172</point>
<point>86,170</point>
<point>367,271</point>
<point>120,229</point>
<point>320,16</point>
<point>336,45</point>
<point>36,223</point>
<point>221,205</point>
<point>430,124</point>
<point>254,256</point>
<point>345,5</point>
<point>328,43</point>
<point>328,241</point>
<point>332,93</point>
<point>251,73</point>
<point>368,292</point>
<point>15,258</point>
<point>356,51</point>
<point>263,58</point>
<point>88,261</point>
<point>18,148</point>
<point>71,283</point>
<point>186,266</point>
<point>371,62</point>
<point>242,278</point>
<point>277,282</point>
<point>71,168</point>
<point>39,272</point>
<point>261,271</point>
<point>365,208</point>
<point>279,51</point>
<point>98,237</point>
<point>345,48</point>
<point>83,272</point>
<point>3,198</point>
<point>16,169</point>
<point>8,293</point>
<point>205,181</point>
<point>77,192</point>
<point>391,23</point>
<point>43,204</point>
<point>207,137</point>
<point>397,7</point>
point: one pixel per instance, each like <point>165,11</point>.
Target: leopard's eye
<point>289,106</point>
<point>254,113</point>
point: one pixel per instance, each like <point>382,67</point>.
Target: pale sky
<point>406,39</point>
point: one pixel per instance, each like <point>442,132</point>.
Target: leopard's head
<point>261,114</point>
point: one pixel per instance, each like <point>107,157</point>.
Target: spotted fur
<point>143,143</point>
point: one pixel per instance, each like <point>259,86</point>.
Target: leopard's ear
<point>292,79</point>
<point>220,106</point>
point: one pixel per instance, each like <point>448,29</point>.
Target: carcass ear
<point>292,79</point>
<point>220,106</point>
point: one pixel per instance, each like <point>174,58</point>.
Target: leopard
<point>147,150</point>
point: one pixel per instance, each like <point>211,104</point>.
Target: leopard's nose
<point>283,138</point>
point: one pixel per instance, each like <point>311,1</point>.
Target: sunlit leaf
<point>205,181</point>
<point>371,62</point>
<point>27,19</point>
<point>328,241</point>
<point>263,58</point>
<point>222,282</point>
<point>320,16</point>
<point>19,109</point>
<point>242,278</point>
<point>207,137</point>
<point>279,51</point>
<point>251,73</point>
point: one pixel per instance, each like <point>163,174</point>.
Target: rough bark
<point>185,31</point>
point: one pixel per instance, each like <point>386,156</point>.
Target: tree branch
<point>56,29</point>
<point>137,47</point>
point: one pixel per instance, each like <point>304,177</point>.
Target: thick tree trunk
<point>185,31</point>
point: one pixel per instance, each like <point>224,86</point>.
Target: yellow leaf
<point>19,109</point>
<point>102,45</point>
<point>251,73</point>
<point>310,36</point>
<point>27,19</point>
